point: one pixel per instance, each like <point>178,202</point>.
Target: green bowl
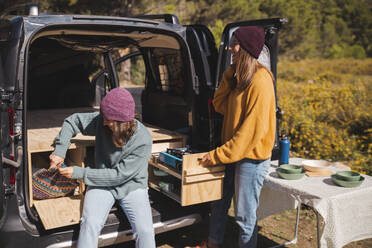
<point>347,184</point>
<point>348,175</point>
<point>289,176</point>
<point>291,168</point>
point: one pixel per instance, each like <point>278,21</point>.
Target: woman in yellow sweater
<point>246,98</point>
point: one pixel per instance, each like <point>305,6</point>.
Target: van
<point>54,65</point>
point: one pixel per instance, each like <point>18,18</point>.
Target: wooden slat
<point>204,177</point>
<point>30,179</point>
<point>204,170</point>
<point>166,169</point>
<point>162,146</point>
<point>59,212</point>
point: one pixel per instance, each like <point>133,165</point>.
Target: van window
<point>169,69</point>
<point>130,67</point>
<point>60,77</point>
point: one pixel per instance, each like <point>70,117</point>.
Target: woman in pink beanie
<point>246,99</point>
<point>119,173</point>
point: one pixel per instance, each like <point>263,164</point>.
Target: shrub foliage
<point>327,108</point>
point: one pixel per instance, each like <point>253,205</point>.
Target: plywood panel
<point>207,188</point>
<point>204,170</point>
<point>44,125</point>
<point>162,146</point>
<point>59,212</point>
<point>165,168</point>
<point>50,118</point>
<point>204,177</point>
<point>160,134</point>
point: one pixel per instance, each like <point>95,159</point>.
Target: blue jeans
<point>245,179</point>
<point>97,205</point>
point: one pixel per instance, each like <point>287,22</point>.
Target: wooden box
<point>194,184</point>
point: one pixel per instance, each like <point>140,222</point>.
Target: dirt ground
<point>273,230</point>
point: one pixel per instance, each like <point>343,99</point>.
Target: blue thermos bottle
<point>284,150</point>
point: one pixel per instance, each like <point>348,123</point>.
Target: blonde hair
<point>245,68</point>
<point>122,131</point>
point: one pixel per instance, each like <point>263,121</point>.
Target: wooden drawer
<point>194,184</point>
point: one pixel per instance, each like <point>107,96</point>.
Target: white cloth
<point>347,212</point>
<point>273,201</point>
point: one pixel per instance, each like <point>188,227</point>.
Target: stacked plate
<point>290,171</point>
<point>347,179</point>
<point>317,168</point>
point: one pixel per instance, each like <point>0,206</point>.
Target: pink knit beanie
<point>251,39</point>
<point>118,105</point>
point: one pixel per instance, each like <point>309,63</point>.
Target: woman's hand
<point>206,159</point>
<point>67,171</point>
<point>55,161</point>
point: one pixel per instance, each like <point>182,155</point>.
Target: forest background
<point>324,70</point>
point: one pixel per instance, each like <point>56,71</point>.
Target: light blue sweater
<point>120,170</point>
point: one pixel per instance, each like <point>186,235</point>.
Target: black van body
<point>49,62</point>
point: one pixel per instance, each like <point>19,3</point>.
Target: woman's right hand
<point>55,161</point>
<point>206,159</point>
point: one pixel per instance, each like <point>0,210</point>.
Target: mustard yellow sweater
<point>248,129</point>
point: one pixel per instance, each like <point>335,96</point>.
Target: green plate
<point>289,176</point>
<point>291,168</point>
<point>347,184</point>
<point>347,175</point>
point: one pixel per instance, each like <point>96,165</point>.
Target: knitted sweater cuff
<point>60,151</point>
<point>78,173</point>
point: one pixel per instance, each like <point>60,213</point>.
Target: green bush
<point>338,51</point>
<point>328,110</point>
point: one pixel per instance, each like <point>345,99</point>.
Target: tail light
<point>12,176</point>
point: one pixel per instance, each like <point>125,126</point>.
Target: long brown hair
<point>245,68</point>
<point>122,131</point>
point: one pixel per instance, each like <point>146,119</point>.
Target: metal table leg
<point>317,227</point>
<point>294,240</point>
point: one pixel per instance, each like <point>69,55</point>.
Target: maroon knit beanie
<point>118,105</point>
<point>251,39</point>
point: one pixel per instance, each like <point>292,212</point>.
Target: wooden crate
<point>198,184</point>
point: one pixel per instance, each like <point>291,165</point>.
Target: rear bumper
<point>127,235</point>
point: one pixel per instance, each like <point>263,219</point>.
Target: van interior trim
<point>144,39</point>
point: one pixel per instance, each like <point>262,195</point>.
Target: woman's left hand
<point>206,159</point>
<point>67,171</point>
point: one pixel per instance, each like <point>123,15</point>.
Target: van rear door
<point>204,56</point>
<point>4,123</point>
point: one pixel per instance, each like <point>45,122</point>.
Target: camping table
<point>347,212</point>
